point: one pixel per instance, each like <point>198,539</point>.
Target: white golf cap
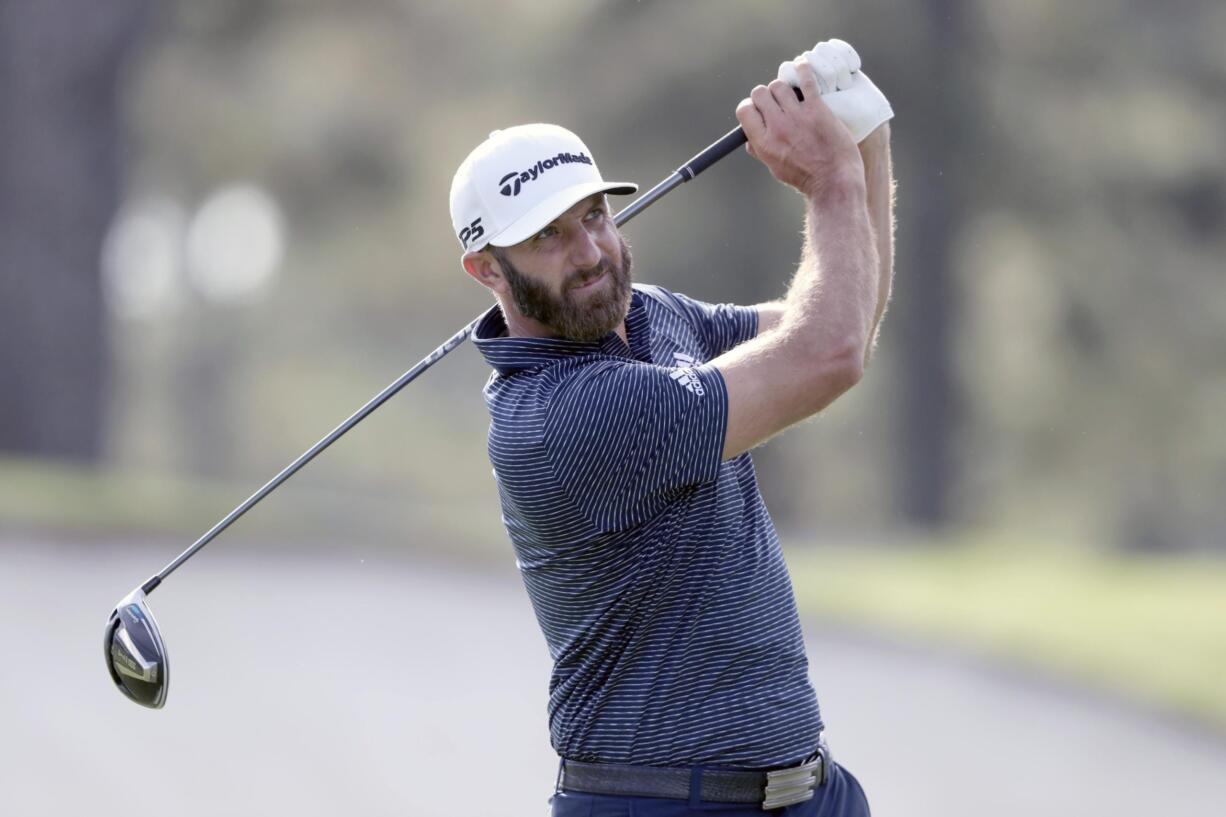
<point>520,179</point>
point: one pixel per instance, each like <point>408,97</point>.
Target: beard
<point>587,320</point>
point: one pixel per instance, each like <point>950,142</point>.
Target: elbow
<point>834,370</point>
<point>847,368</point>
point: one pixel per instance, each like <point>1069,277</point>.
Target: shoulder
<point>596,386</point>
<point>676,305</point>
<point>656,298</point>
<point>678,316</point>
<point>526,398</point>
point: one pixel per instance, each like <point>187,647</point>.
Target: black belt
<point>773,789</point>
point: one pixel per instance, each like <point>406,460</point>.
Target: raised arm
<point>818,348</point>
<point>879,181</point>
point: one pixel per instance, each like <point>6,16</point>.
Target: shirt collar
<point>508,354</point>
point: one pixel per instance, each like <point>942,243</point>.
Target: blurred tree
<point>1054,358</point>
<point>940,132</point>
<point>60,63</point>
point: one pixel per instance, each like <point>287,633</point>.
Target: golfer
<point>622,419</point>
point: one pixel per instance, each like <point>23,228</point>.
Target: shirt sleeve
<point>624,439</point>
<point>720,326</point>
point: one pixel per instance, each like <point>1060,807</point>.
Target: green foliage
<point>116,504</point>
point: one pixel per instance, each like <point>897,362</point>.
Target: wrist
<point>877,142</point>
<point>845,187</point>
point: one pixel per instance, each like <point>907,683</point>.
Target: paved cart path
<point>354,684</point>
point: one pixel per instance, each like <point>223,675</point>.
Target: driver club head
<point>135,652</point>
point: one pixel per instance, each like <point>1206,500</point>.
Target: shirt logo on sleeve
<point>686,376</point>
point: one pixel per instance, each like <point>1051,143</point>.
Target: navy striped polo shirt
<point>652,565</point>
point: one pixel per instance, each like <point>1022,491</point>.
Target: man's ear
<point>485,270</point>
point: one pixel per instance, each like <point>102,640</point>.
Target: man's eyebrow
<point>580,206</point>
<point>583,205</point>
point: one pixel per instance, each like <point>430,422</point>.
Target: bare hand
<point>800,142</point>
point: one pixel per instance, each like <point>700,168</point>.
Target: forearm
<point>880,188</point>
<point>879,182</point>
<point>832,300</point>
<point>817,351</point>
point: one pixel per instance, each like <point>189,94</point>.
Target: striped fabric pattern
<point>653,566</point>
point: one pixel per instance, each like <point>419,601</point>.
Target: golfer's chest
<point>678,347</point>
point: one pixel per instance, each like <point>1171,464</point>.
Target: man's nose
<point>584,251</point>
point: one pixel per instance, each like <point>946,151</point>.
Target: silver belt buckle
<point>785,787</point>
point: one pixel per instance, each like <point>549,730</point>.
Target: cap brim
<point>533,221</point>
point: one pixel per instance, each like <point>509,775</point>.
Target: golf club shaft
<point>709,156</point>
<point>717,150</point>
<point>332,436</point>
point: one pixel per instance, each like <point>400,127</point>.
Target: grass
<point>1151,628</point>
<point>112,503</point>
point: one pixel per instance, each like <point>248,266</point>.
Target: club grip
<point>718,149</point>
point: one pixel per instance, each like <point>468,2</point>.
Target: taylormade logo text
<point>510,184</point>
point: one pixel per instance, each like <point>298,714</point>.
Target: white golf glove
<point>851,95</point>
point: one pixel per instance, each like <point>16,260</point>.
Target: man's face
<point>574,275</point>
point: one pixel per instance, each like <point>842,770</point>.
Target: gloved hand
<point>851,95</point>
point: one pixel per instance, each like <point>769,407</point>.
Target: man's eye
<point>546,233</point>
<point>595,213</point>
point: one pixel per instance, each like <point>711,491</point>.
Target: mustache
<point>583,276</point>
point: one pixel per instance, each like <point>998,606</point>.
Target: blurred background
<point>224,226</point>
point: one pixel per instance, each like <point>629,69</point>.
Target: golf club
<point>134,650</point>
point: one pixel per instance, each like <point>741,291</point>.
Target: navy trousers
<point>840,796</point>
